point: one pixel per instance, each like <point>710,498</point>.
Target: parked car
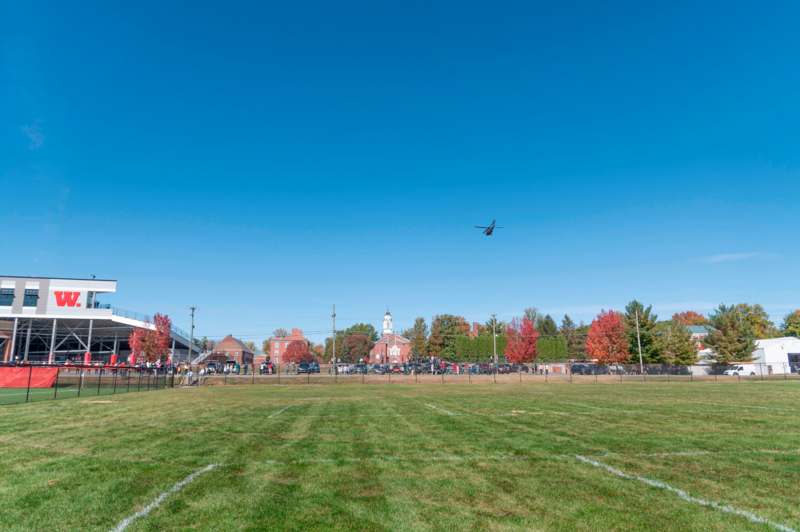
<point>308,367</point>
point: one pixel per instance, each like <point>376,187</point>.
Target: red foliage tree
<point>151,345</point>
<point>689,317</point>
<point>607,341</point>
<point>521,341</point>
<point>297,351</point>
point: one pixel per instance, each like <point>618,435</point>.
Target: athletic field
<point>678,456</point>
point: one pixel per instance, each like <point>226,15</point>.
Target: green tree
<point>265,347</point>
<point>551,349</point>
<point>445,328</point>
<point>532,314</point>
<point>759,321</point>
<point>647,323</point>
<point>362,328</point>
<point>546,325</point>
<point>675,344</point>
<point>576,348</point>
<point>418,334</point>
<point>791,324</point>
<point>731,338</point>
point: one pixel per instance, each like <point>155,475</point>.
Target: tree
<point>251,345</point>
<point>521,339</point>
<point>546,325</point>
<point>280,333</point>
<point>635,311</point>
<point>265,346</point>
<point>357,347</point>
<point>731,338</point>
<point>675,344</point>
<point>445,328</point>
<point>418,335</point>
<point>758,319</point>
<point>551,348</point>
<point>607,341</point>
<point>363,328</point>
<point>532,314</point>
<point>297,351</point>
<point>791,324</point>
<point>575,345</point>
<point>150,345</point>
<point>689,317</point>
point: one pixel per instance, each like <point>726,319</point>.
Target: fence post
<point>761,369</point>
<point>114,391</point>
<point>128,378</point>
<point>253,376</point>
<point>570,376</point>
<point>224,378</point>
<point>139,386</point>
<point>55,388</point>
<point>442,376</point>
<point>308,377</point>
<point>784,372</point>
<point>80,381</point>
<point>99,379</point>
<point>30,374</point>
<point>362,377</point>
<point>519,371</point>
<point>595,377</point>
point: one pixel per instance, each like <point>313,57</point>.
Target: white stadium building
<point>51,320</point>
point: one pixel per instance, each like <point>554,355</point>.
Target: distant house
<point>698,334</point>
<point>231,350</point>
<point>279,344</point>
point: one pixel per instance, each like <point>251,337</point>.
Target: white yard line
<point>279,412</point>
<point>125,523</point>
<point>753,518</point>
<point>440,410</point>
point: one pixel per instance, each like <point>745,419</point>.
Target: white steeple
<point>387,323</point>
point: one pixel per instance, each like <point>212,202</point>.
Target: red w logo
<point>67,299</point>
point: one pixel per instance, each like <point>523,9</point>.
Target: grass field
<point>407,457</point>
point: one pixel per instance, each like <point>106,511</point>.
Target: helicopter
<point>489,229</point>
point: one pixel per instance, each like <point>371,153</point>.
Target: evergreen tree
<point>731,338</point>
<point>675,344</point>
<point>574,341</point>
<point>546,325</point>
<point>418,334</point>
<point>647,323</point>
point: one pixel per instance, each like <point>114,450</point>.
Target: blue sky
<point>263,161</point>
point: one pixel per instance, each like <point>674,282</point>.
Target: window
<point>6,297</point>
<point>31,297</point>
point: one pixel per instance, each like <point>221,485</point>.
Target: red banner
<point>17,377</point>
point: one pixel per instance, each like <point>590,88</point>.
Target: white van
<point>741,369</point>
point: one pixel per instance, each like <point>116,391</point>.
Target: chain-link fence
<point>482,372</point>
<point>27,383</point>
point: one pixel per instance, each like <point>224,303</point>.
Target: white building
<point>55,319</point>
<point>778,355</point>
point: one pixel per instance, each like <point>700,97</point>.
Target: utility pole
<point>639,341</point>
<point>333,355</point>
<point>494,339</point>
<point>191,334</point>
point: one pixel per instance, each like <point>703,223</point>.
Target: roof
<point>774,342</point>
<point>229,344</point>
<point>699,329</point>
<point>393,338</point>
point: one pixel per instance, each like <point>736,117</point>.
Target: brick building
<point>230,350</point>
<point>391,348</point>
<point>278,345</point>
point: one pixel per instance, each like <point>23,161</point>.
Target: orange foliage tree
<point>689,317</point>
<point>151,345</point>
<point>297,352</point>
<point>521,341</point>
<point>607,341</point>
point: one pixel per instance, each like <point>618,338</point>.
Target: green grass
<point>387,457</point>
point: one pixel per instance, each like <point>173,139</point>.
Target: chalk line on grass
<point>125,523</point>
<point>753,518</point>
<point>440,410</point>
<point>279,412</point>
